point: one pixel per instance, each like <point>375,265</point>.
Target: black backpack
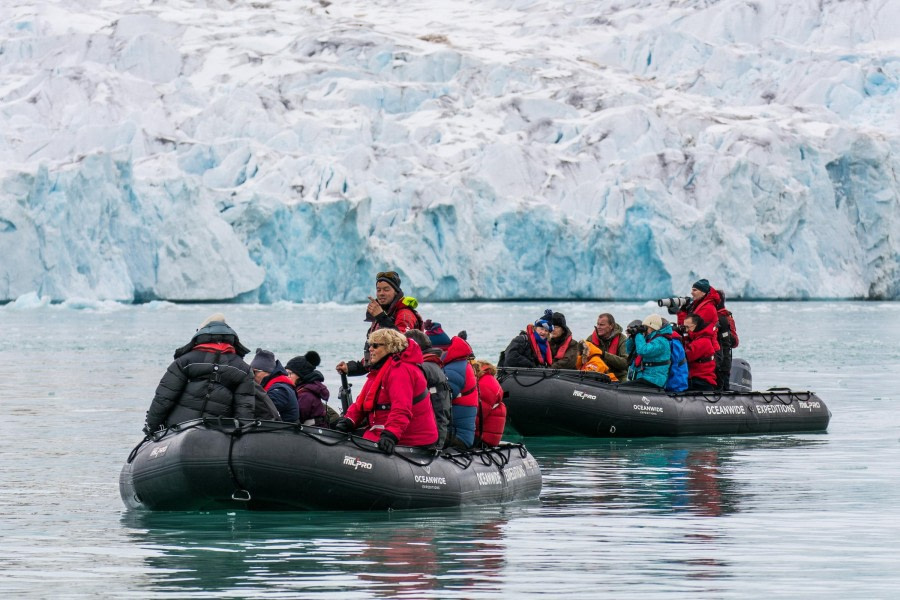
<point>441,396</point>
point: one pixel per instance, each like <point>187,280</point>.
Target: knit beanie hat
<point>304,365</point>
<point>702,285</point>
<point>263,361</point>
<point>545,321</point>
<point>391,278</point>
<point>436,335</point>
<point>559,319</point>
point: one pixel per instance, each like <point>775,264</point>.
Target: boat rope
<point>240,492</point>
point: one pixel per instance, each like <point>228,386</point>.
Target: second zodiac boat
<point>548,402</point>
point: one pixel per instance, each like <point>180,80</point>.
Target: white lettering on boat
<point>158,451</point>
<point>513,473</point>
<point>431,479</point>
<point>580,394</point>
<point>492,478</point>
<point>648,409</point>
<point>352,461</point>
<point>808,404</point>
<point>715,409</point>
<point>775,408</point>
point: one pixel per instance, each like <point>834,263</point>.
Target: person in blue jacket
<point>649,351</point>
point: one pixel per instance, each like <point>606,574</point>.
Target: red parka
<point>395,398</point>
<point>708,310</point>
<point>492,412</point>
<point>700,354</point>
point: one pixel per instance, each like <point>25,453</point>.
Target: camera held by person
<point>635,327</point>
<point>674,304</point>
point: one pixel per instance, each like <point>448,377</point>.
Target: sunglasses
<point>375,345</point>
<point>387,274</point>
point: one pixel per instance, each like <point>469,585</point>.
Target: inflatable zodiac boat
<point>548,402</point>
<point>209,464</point>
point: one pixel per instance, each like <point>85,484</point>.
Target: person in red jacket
<point>389,309</point>
<point>394,399</point>
<point>704,303</point>
<point>700,354</point>
<point>491,410</point>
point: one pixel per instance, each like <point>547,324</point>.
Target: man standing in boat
<point>389,309</point>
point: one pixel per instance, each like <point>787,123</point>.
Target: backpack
<point>677,381</point>
<point>439,390</point>
<point>727,333</point>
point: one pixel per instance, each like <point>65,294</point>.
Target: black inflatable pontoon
<point>551,402</point>
<point>209,464</point>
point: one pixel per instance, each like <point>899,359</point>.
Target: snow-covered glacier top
<point>288,149</point>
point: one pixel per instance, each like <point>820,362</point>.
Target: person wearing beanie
<point>648,343</point>
<point>389,309</point>
<point>531,347</point>
<point>705,301</point>
<point>436,335</point>
<point>312,394</point>
<point>196,385</point>
<point>563,348</point>
<point>272,376</point>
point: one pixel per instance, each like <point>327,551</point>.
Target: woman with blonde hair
<point>394,399</point>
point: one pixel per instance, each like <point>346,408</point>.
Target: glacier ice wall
<point>288,149</point>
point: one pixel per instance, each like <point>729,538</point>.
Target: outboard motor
<point>741,380</point>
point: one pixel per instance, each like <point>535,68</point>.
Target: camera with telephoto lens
<point>676,302</point>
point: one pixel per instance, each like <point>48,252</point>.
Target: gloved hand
<point>147,431</point>
<point>386,442</point>
<point>344,424</point>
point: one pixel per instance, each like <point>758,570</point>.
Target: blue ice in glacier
<point>185,150</point>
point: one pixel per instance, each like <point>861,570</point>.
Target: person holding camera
<point>389,309</point>
<point>704,303</point>
<point>701,357</point>
<point>650,351</point>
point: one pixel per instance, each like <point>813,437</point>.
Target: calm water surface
<point>778,516</point>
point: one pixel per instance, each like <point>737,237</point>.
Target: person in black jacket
<point>207,378</point>
<point>273,377</point>
<point>531,348</point>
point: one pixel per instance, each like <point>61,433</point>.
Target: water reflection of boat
<point>699,476</point>
<point>551,402</point>
<point>225,464</point>
<point>386,554</point>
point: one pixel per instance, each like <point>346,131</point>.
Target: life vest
<point>613,345</point>
<point>491,420</point>
<point>279,379</point>
<point>546,359</point>
<point>561,353</point>
<point>372,388</point>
